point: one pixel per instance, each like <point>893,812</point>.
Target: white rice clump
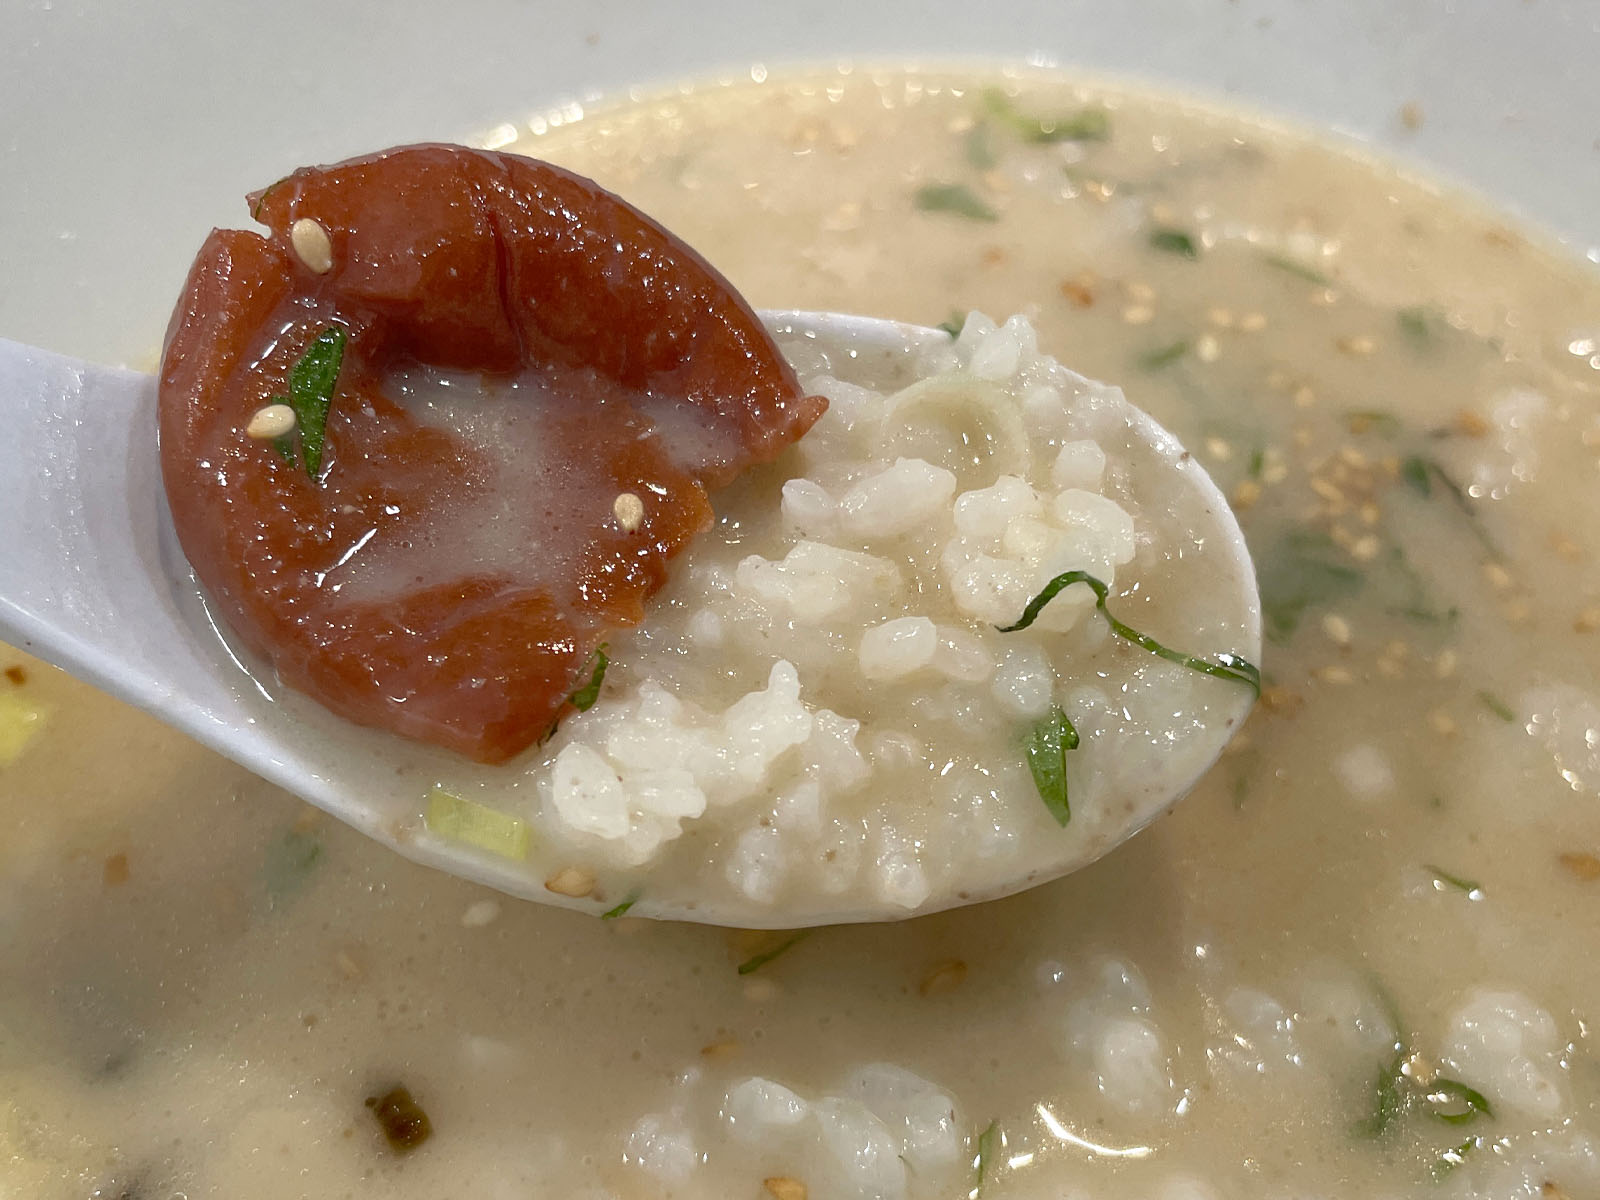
<point>848,628</point>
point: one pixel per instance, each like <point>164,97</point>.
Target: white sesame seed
<point>1498,576</point>
<point>270,421</point>
<point>1443,723</point>
<point>1222,318</point>
<point>1253,322</point>
<point>1138,314</point>
<point>1207,349</point>
<point>312,245</point>
<point>571,881</point>
<point>1361,345</point>
<point>1365,548</point>
<point>1218,449</point>
<point>1445,665</point>
<point>480,913</point>
<point>629,511</point>
<point>1337,629</point>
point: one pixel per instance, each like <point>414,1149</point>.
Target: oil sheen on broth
<point>1367,926</point>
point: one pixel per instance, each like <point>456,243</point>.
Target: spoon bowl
<point>92,579</point>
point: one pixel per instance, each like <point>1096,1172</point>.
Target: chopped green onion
<point>583,699</point>
<point>1295,267</point>
<point>1174,241</point>
<point>1258,462</point>
<point>1415,472</point>
<point>1497,706</point>
<point>954,198</point>
<point>1468,886</point>
<point>20,722</point>
<point>1047,746</point>
<point>1224,666</point>
<point>463,820</point>
<point>632,898</point>
<point>756,962</point>
<point>1455,1103</point>
<point>954,325</point>
<point>1163,356</point>
<point>1085,125</point>
<point>988,1151</point>
<point>311,383</point>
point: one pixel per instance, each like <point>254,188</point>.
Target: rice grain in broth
<point>1385,893</point>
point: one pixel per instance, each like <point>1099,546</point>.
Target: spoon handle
<point>82,568</point>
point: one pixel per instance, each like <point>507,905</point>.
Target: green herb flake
<point>1295,267</point>
<point>978,147</point>
<point>1047,745</point>
<point>311,384</point>
<point>1497,706</point>
<point>1388,1099</point>
<point>1302,571</point>
<point>1174,241</point>
<point>988,1156</point>
<point>405,1126</point>
<point>1258,462</point>
<point>1163,356</point>
<point>462,820</point>
<point>1225,666</point>
<point>1414,470</point>
<point>1085,125</point>
<point>1453,1158</point>
<point>957,199</point>
<point>1454,1103</point>
<point>289,861</point>
<point>583,699</point>
<point>954,324</point>
<point>1468,887</point>
<point>632,898</point>
<point>1414,323</point>
<point>757,961</point>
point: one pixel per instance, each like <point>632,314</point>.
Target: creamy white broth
<point>203,982</point>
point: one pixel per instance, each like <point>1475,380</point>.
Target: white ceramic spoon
<point>92,579</point>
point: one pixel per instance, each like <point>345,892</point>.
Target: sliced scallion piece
<point>1085,125</point>
<point>1224,666</point>
<point>1467,887</point>
<point>583,699</point>
<point>462,820</point>
<point>1497,706</point>
<point>1454,1103</point>
<point>1174,241</point>
<point>1163,356</point>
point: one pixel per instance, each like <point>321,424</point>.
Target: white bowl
<point>132,126</point>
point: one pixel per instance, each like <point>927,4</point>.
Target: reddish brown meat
<point>458,259</point>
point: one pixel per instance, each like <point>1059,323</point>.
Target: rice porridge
<point>1352,962</point>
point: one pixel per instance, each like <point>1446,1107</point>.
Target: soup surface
<point>1358,960</point>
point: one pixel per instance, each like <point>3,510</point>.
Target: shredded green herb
<point>311,383</point>
<point>954,324</point>
<point>1047,745</point>
<point>1224,666</point>
<point>1085,125</point>
<point>405,1126</point>
<point>979,146</point>
<point>1414,470</point>
<point>757,961</point>
<point>1302,571</point>
<point>1415,325</point>
<point>1163,356</point>
<point>583,699</point>
<point>1468,886</point>
<point>1454,1103</point>
<point>463,820</point>
<point>632,898</point>
<point>1497,706</point>
<point>289,861</point>
<point>1293,266</point>
<point>1453,1158</point>
<point>1258,462</point>
<point>1174,241</point>
<point>1388,1098</point>
<point>954,198</point>
<point>988,1150</point>
<point>1420,473</point>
